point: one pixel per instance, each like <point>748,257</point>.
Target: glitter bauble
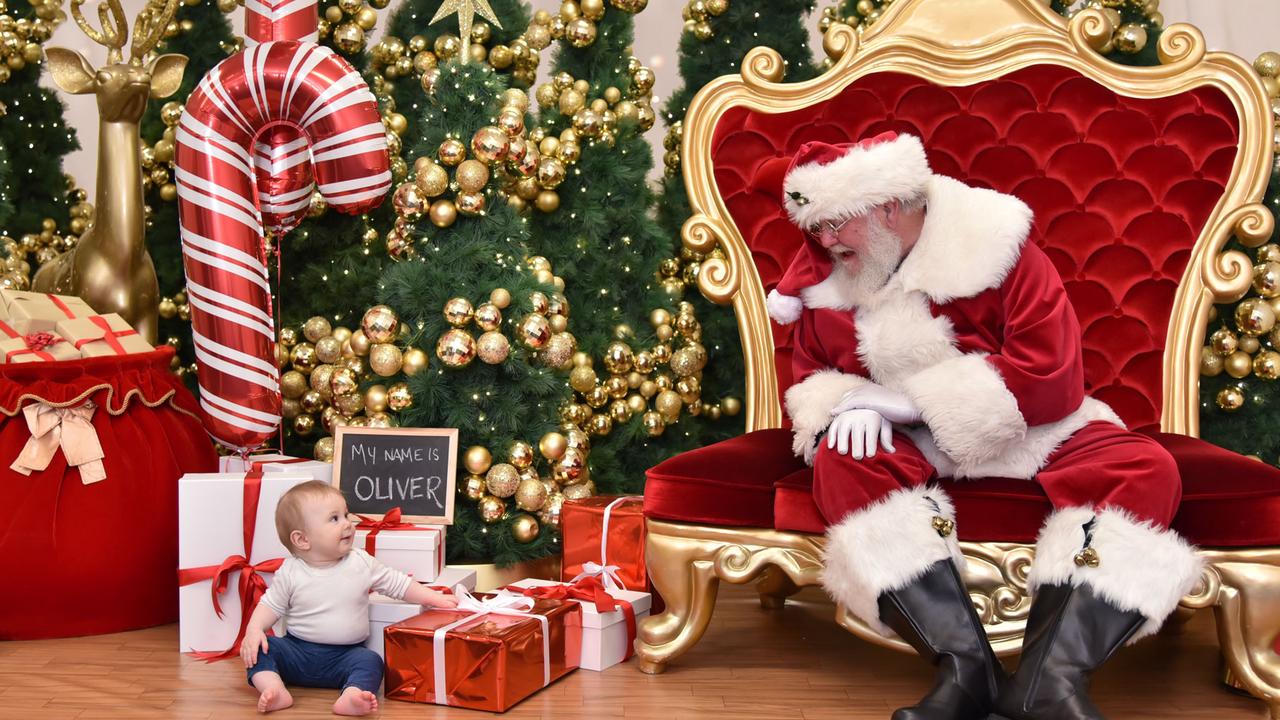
<point>385,359</point>
<point>502,480</point>
<point>531,494</point>
<point>315,328</point>
<point>493,348</point>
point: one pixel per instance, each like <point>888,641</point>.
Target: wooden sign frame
<point>451,479</point>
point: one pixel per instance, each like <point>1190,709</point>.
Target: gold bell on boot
<point>943,525</point>
<point>1088,556</point>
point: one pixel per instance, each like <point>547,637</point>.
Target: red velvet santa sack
<point>90,455</point>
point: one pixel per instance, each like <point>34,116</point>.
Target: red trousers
<point>1102,465</point>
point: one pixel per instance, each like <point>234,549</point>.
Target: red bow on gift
<point>40,340</point>
<point>390,521</point>
<point>588,589</point>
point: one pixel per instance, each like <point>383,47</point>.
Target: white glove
<point>892,405</point>
<point>856,432</point>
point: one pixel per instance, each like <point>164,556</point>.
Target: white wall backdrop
<point>1246,27</point>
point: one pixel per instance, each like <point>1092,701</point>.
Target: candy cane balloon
<point>273,84</point>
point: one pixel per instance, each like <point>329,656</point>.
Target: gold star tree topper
<point>466,10</point>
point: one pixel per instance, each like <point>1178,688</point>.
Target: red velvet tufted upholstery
<point>1121,189</point>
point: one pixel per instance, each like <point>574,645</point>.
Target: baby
<point>324,592</point>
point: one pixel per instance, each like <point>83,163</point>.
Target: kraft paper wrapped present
<point>102,335</point>
<point>384,611</point>
<point>414,549</point>
<point>275,462</point>
<point>489,653</point>
<point>609,616</point>
<point>37,347</point>
<point>41,312</point>
<point>214,512</point>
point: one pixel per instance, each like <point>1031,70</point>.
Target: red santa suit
<point>975,328</point>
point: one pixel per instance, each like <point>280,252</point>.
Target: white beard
<point>878,260</point>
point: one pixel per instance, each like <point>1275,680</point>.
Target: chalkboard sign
<point>413,469</point>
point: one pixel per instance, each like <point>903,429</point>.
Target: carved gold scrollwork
<point>1090,30</point>
<point>1228,273</point>
<point>1181,47</point>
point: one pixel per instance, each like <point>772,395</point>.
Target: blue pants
<point>309,664</point>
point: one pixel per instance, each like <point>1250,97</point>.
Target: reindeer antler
<point>150,26</point>
<point>112,35</point>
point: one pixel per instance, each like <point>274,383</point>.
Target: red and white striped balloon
<point>276,84</point>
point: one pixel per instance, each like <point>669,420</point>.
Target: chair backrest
<point>1131,177</point>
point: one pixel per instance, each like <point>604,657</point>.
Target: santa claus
<point>932,340</point>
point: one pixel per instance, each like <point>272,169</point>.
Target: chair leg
<point>1248,618</point>
<point>774,588</point>
<point>683,572</point>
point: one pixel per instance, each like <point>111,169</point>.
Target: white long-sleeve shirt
<point>331,604</point>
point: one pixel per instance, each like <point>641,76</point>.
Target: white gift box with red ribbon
<point>604,635</point>
<point>275,462</point>
<point>384,610</point>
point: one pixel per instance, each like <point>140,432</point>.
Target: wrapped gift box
<point>414,549</point>
<point>483,658</point>
<point>39,312</point>
<point>607,637</point>
<point>275,462</point>
<point>211,512</point>
<point>608,531</point>
<point>384,611</point>
<point>37,347</point>
<point>102,335</point>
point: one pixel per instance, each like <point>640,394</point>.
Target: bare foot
<point>274,698</point>
<point>354,701</point>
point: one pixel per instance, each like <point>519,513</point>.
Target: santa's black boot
<point>936,617</point>
<point>1070,633</point>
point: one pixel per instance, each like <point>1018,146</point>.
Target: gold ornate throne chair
<point>1139,177</point>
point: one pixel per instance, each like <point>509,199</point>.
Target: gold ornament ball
<point>731,406</point>
<point>500,297</point>
<point>520,454</point>
<point>473,487</point>
<point>1267,64</point>
<point>653,423</point>
<point>303,357</point>
<point>414,362</point>
<point>354,364</point>
<point>343,382</point>
<point>385,359</point>
<point>1250,344</point>
<point>580,32</point>
<point>597,396</point>
<point>293,384</point>
<point>551,172</point>
<point>472,176</point>
<point>1211,363</point>
<point>684,362</point>
<point>322,378</point>
<point>502,480</point>
<point>1269,253</point>
<point>617,386</point>
<point>379,324</point>
<point>477,460</point>
<point>490,144</point>
<point>359,344</point>
<point>452,151</point>
<point>515,97</point>
<point>1238,364</point>
<point>375,399</point>
<point>559,350</point>
<point>553,446</point>
<point>432,179</point>
<point>531,494</point>
<point>456,348</point>
<point>1266,365</point>
<point>1254,316</point>
<point>311,401</point>
<point>458,311</point>
<point>491,509</point>
<point>550,512</point>
<point>323,450</point>
<point>348,38</point>
<point>636,404</point>
<point>582,378</point>
<point>488,316</point>
<point>535,331</point>
<point>600,424</point>
<point>290,409</point>
<point>168,308</point>
<point>328,349</point>
<point>571,467</point>
<point>399,397</point>
<point>493,348</point>
<point>524,529</point>
<point>304,425</point>
<point>581,491</point>
<point>547,201</point>
<point>619,411</point>
<point>1224,342</point>
<point>443,213</point>
<point>1266,279</point>
<point>470,203</point>
<point>1230,398</point>
<point>171,113</point>
<point>618,358</point>
<point>668,403</point>
<point>408,201</point>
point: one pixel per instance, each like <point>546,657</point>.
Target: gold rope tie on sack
<point>943,525</point>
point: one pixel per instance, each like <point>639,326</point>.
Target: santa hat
<point>834,182</point>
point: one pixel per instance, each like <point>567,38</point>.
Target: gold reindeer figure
<point>110,267</point>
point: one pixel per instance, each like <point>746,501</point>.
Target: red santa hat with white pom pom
<point>834,182</point>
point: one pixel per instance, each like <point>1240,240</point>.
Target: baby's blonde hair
<point>289,509</point>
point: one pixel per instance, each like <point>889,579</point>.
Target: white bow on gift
<point>502,603</point>
<point>68,428</point>
<point>608,575</point>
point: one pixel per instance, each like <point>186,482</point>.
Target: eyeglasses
<point>815,230</point>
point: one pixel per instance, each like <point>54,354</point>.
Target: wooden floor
<point>794,663</point>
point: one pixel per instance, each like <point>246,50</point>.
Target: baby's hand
<point>435,598</point>
<point>253,639</point>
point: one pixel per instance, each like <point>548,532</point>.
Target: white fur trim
<point>809,405</point>
<point>836,292</point>
<point>1141,566</point>
<point>1025,459</point>
<point>784,309</point>
<point>973,416</point>
<point>857,181</point>
<point>971,239</point>
<point>886,546</point>
<point>899,337</point>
